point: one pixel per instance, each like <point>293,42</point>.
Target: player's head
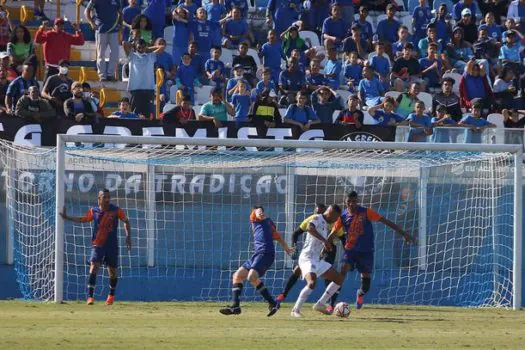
<point>259,212</point>
<point>103,198</point>
<point>351,200</point>
<point>320,208</point>
<point>332,213</point>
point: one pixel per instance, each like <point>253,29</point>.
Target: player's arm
<point>408,237</point>
<point>277,237</point>
<point>127,226</point>
<point>80,219</point>
<point>313,231</point>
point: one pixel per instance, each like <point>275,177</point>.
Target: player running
<point>264,233</point>
<point>311,264</point>
<point>329,257</point>
<point>359,247</point>
<point>104,241</point>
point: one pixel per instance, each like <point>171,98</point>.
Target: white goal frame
<point>516,150</point>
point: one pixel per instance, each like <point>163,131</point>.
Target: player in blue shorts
<point>359,246</point>
<point>105,247</point>
<point>264,233</point>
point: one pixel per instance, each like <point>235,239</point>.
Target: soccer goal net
<point>189,204</point>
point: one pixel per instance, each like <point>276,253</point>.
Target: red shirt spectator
<point>57,44</point>
<point>182,113</point>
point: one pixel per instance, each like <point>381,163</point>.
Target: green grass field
<point>32,325</point>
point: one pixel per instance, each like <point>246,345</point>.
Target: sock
<point>112,285</point>
<point>365,285</point>
<point>92,281</point>
<point>336,294</point>
<point>303,296</point>
<point>265,293</point>
<point>329,291</point>
<point>290,283</point>
<point>236,294</point>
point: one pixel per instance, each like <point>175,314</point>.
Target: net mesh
<point>189,209</point>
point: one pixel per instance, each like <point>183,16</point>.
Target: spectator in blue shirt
<point>238,74</point>
<point>216,12</point>
<point>191,7</point>
<point>291,81</point>
<point>355,42</point>
<point>441,121</point>
<point>236,30</point>
<point>106,25</point>
<point>267,83</point>
<point>156,12</point>
<point>381,64</point>
<point>493,30</point>
<point>240,4</point>
<point>325,102</point>
<point>353,70</point>
<point>442,24</point>
<point>370,89</point>
<point>431,38</point>
<point>334,28</point>
<point>202,32</point>
<point>165,62</point>
<point>181,34</point>
<point>420,19</point>
<point>387,28</point>
<point>241,101</point>
<point>197,61</point>
<point>271,54</point>
<point>300,114</point>
<point>124,111</point>
<point>420,124</point>
<point>432,66</point>
<point>398,46</point>
<point>367,32</point>
<point>214,68</point>
<point>474,123</point>
<point>315,78</point>
<point>282,13</point>
<point>384,113</point>
<point>187,76</point>
<point>18,87</point>
<point>332,69</point>
<point>128,14</point>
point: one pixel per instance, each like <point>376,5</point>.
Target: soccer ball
<point>342,310</point>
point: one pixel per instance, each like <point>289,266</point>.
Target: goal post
<point>340,166</point>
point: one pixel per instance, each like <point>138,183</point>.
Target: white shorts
<point>319,267</point>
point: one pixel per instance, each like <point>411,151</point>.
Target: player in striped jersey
<point>264,233</point>
<point>359,246</point>
<point>328,257</point>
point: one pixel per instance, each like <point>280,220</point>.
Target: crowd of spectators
<point>469,55</point>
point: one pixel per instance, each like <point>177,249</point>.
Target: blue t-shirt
<point>387,30</point>
<point>294,81</point>
<point>367,32</point>
<point>422,16</point>
<point>359,229</point>
<point>212,65</point>
<point>18,87</point>
<point>197,61</point>
<point>164,61</point>
<point>215,12</point>
<point>231,84</point>
<point>417,134</point>
<point>128,115</point>
<point>271,55</point>
<point>471,136</point>
<point>242,106</point>
<point>107,16</point>
<point>475,86</point>
<point>384,118</point>
<point>381,65</point>
<point>443,31</point>
<point>261,86</point>
<point>282,14</point>
<point>335,28</point>
<point>432,75</point>
<point>423,47</point>
<point>202,34</point>
<point>192,10</point>
<point>371,90</point>
<point>263,236</point>
<point>316,79</point>
<point>105,226</point>
<point>241,4</point>
<point>128,14</point>
<point>181,34</point>
<point>186,75</point>
<point>350,45</point>
<point>236,28</point>
<point>141,71</point>
<point>300,115</point>
<point>441,134</point>
<point>511,54</point>
<point>494,31</point>
<point>332,70</point>
<point>353,72</point>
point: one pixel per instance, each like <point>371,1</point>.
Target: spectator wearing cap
<point>236,30</point>
<point>355,43</point>
<point>20,47</point>
<point>334,28</point>
<point>367,32</point>
<point>57,88</point>
<point>470,30</point>
<point>517,12</point>
<point>57,44</point>
<point>238,74</point>
<point>387,28</point>
<point>406,69</point>
<point>300,114</point>
<point>448,99</point>
<point>384,113</point>
<point>351,115</point>
<point>475,85</point>
<point>282,13</point>
<point>271,54</point>
<point>370,89</point>
<point>265,111</point>
<point>106,24</point>
<point>182,113</point>
<point>248,64</point>
<point>291,81</point>
<point>459,52</point>
<point>5,28</point>
<point>325,102</point>
<point>18,87</point>
<point>216,110</point>
<point>421,17</point>
<point>32,108</point>
<point>5,63</point>
<point>475,125</point>
<point>124,111</point>
<point>78,108</point>
<point>466,5</point>
<point>141,83</point>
